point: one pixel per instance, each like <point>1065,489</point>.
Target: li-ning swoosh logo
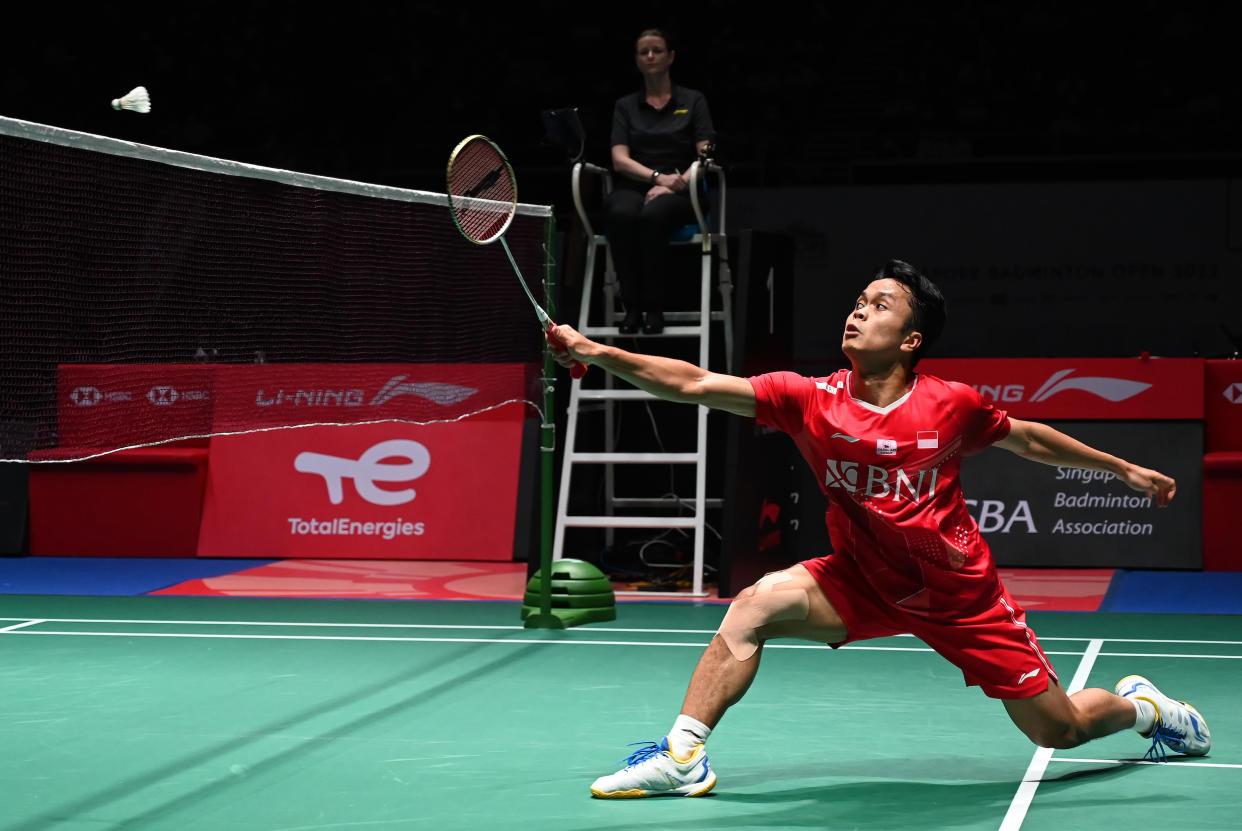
<point>1022,678</point>
<point>850,439</point>
<point>443,394</point>
<point>1112,389</point>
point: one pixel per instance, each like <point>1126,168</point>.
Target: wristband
<point>654,175</point>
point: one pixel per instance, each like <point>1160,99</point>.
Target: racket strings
<point>482,191</point>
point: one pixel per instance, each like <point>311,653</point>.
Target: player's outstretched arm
<point>666,378</point>
<point>1041,443</point>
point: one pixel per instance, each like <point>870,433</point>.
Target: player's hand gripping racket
<point>482,194</point>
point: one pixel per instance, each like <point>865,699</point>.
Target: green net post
<point>543,618</point>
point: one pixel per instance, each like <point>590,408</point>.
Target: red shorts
<point>994,648</point>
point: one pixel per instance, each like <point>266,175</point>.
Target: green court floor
<point>210,713</point>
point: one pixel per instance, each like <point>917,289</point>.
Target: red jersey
<point>895,503</point>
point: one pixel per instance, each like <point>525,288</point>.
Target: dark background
<point>1067,172</point>
<point>803,94</point>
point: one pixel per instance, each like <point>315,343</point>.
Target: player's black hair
<point>930,309</point>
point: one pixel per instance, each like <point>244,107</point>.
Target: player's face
<point>878,323</point>
<point>652,55</point>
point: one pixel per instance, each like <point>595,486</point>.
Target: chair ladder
<point>681,325</point>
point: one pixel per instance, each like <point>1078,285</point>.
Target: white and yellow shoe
<point>1178,727</point>
<point>653,770</point>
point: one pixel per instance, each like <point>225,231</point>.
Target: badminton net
<point>151,296</point>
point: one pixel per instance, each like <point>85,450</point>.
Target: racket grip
<point>579,368</point>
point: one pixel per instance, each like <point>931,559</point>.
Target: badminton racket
<point>482,193</point>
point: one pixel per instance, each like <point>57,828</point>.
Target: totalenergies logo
<point>1110,389</point>
<point>371,467</point>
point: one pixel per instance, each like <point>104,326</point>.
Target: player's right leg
<point>784,604</point>
<point>1054,719</point>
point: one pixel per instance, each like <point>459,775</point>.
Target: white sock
<point>1146,715</point>
<point>687,734</point>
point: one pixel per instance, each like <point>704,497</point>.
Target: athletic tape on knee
<point>770,602</point>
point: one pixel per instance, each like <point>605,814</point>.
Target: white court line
<point>360,638</point>
<point>489,627</point>
<point>508,628</point>
<point>17,630</point>
<point>411,639</point>
<point>1163,655</point>
<point>1039,762</point>
<point>1170,765</point>
<point>1150,640</point>
<point>146,621</point>
<point>17,626</point>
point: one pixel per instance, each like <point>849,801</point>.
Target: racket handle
<point>579,368</point>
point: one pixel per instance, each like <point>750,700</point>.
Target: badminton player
<point>886,444</point>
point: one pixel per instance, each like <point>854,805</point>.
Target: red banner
<point>1082,388</point>
<point>373,491</point>
<point>1223,406</point>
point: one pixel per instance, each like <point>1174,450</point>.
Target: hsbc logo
<point>1233,393</point>
<point>1110,389</point>
<point>86,396</point>
<point>371,467</point>
<point>162,396</point>
<point>90,396</point>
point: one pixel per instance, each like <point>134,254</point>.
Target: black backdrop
<point>802,93</point>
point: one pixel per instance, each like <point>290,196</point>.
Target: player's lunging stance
<point>886,444</point>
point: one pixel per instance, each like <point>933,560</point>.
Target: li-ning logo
<point>162,396</point>
<point>437,393</point>
<point>443,394</point>
<point>369,469</point>
<point>86,396</point>
<point>1111,389</point>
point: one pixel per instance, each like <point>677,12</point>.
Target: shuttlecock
<point>136,100</point>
